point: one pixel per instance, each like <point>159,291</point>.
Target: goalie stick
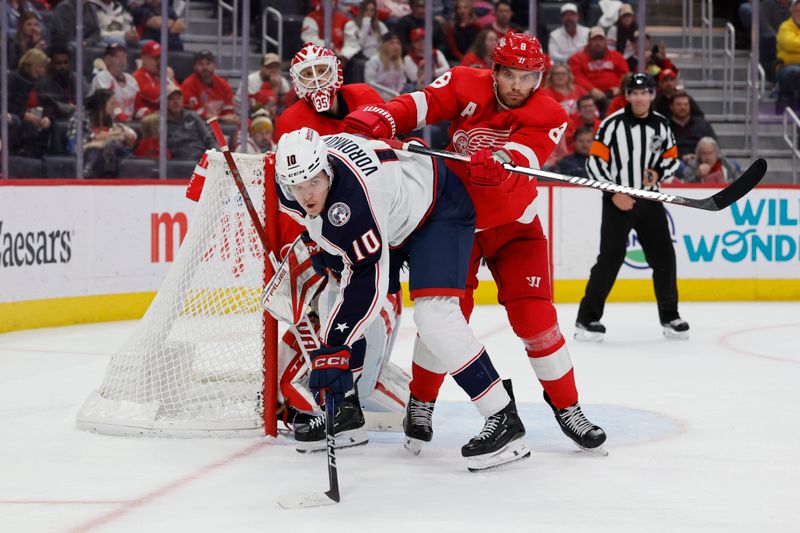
<point>733,192</point>
<point>305,499</point>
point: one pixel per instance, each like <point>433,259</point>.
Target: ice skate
<point>676,329</point>
<point>348,424</point>
<point>418,424</point>
<point>500,441</point>
<point>591,332</point>
<point>586,435</point>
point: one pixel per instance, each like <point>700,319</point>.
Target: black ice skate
<point>676,329</point>
<point>418,424</point>
<point>500,441</point>
<point>589,332</point>
<point>348,427</point>
<point>577,427</point>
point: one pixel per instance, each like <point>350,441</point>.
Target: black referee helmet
<point>641,80</point>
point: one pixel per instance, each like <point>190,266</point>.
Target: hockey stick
<point>733,192</point>
<point>306,499</point>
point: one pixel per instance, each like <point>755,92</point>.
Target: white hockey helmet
<point>320,83</point>
<point>300,155</point>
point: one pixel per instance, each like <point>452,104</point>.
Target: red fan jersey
<point>207,100</point>
<point>465,96</point>
<point>301,113</point>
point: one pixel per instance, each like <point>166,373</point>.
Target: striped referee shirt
<point>626,145</point>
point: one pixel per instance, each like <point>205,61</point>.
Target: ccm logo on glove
<point>331,361</point>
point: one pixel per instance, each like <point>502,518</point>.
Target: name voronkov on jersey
<point>354,152</point>
<point>34,247</point>
<point>613,187</point>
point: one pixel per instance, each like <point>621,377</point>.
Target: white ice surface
<point>703,436</point>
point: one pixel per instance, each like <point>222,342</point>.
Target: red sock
<point>425,384</point>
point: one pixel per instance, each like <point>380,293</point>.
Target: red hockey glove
<point>330,371</point>
<point>372,121</point>
<point>486,169</point>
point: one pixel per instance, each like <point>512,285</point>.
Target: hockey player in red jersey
<point>497,116</point>
<point>323,101</point>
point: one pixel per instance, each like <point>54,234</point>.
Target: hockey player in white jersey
<point>377,209</point>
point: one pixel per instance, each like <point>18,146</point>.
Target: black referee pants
<point>650,222</point>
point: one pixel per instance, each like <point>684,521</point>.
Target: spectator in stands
<point>414,61</point>
<point>362,35</point>
<point>479,54</point>
<point>586,117</point>
<point>570,38</point>
<point>148,145</point>
<point>385,70</point>
<point>105,142</point>
<point>708,165</point>
<point>62,24</point>
<point>28,36</point>
<point>575,164</point>
<point>598,68</point>
<point>148,77</point>
<point>260,88</point>
<point>667,87</point>
<point>560,85</point>
<point>619,101</point>
<point>462,30</point>
<point>502,19</point>
<point>314,24</point>
<point>394,10</point>
<point>259,138</point>
<point>27,107</point>
<point>416,19</point>
<point>122,84</point>
<point>656,58</point>
<point>147,17</point>
<point>58,84</point>
<point>772,13</point>
<point>206,93</point>
<point>788,64</point>
<point>688,129</point>
<point>188,135</point>
<point>622,35</point>
<point>15,9</point>
<point>115,22</point>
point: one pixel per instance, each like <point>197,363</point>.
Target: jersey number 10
<point>371,244</point>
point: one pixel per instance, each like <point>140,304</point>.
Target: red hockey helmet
<point>316,75</point>
<point>518,50</point>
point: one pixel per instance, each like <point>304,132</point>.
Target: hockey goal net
<point>195,364</point>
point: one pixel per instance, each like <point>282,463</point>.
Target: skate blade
<point>587,336</point>
<point>514,451</point>
<point>414,445</point>
<point>677,335</point>
<point>599,451</point>
<point>301,500</point>
<point>344,440</point>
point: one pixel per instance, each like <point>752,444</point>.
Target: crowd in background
<point>379,42</point>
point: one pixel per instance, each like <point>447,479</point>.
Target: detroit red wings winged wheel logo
<point>469,142</point>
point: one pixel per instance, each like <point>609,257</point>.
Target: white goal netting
<point>194,366</point>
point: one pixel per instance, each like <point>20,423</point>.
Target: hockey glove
<point>372,121</point>
<point>486,167</point>
<point>316,254</point>
<point>330,371</point>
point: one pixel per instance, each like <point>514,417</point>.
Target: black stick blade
<point>746,182</point>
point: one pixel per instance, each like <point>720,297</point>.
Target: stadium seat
<point>292,41</point>
<point>549,14</point>
<point>182,63</point>
<point>133,167</point>
<point>59,166</point>
<point>180,169</point>
<point>595,12</point>
<point>25,167</point>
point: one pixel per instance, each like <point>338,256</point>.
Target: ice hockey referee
<point>635,147</point>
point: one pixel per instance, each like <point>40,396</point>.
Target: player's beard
<point>502,101</point>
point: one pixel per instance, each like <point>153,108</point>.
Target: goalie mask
<point>316,75</point>
<point>300,156</point>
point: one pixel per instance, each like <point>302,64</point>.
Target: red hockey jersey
<point>302,114</point>
<point>207,101</point>
<point>465,96</point>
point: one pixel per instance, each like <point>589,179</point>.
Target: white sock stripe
<point>486,390</point>
<point>553,366</point>
<point>465,365</point>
